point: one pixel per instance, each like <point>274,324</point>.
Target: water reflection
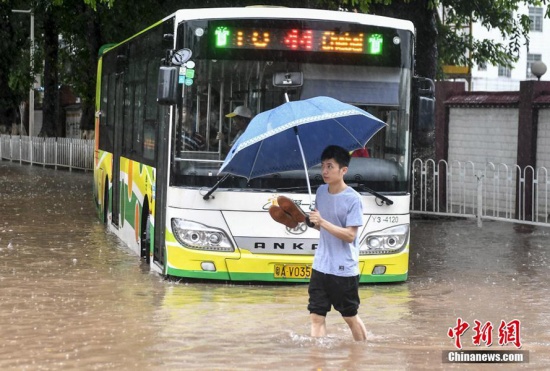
<point>74,297</point>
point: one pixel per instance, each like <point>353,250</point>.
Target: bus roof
<point>270,12</point>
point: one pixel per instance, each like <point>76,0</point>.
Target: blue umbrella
<point>293,136</point>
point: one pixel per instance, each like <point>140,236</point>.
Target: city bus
<point>163,96</point>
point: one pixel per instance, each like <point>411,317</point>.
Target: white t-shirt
<point>344,209</point>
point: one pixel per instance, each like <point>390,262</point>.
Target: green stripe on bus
<point>268,277</point>
<point>378,278</point>
<point>198,274</point>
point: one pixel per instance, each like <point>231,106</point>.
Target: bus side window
<point>106,135</point>
<point>149,139</point>
<point>127,139</point>
<point>109,130</point>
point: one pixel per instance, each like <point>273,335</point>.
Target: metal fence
<point>487,191</point>
<point>56,152</point>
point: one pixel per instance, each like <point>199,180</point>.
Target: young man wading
<point>338,215</point>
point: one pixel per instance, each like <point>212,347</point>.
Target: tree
<point>50,114</point>
<point>91,25</point>
<point>84,25</point>
<point>87,24</point>
<point>81,35</point>
<point>437,22</point>
<point>15,76</point>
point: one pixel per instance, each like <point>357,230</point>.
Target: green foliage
<point>85,25</point>
<point>459,49</point>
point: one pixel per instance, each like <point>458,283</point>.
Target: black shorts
<point>326,290</point>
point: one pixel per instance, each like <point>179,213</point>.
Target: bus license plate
<point>292,271</point>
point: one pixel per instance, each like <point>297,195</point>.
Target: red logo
<point>508,332</point>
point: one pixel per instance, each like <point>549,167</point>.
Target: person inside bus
<point>192,141</point>
<point>241,116</point>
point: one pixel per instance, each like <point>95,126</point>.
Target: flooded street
<point>72,297</point>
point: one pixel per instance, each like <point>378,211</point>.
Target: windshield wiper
<point>287,189</point>
<point>384,199</point>
<point>219,182</point>
<point>215,186</point>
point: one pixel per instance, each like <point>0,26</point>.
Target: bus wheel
<point>145,242</point>
<point>106,202</point>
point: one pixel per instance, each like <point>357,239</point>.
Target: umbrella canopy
<point>286,137</point>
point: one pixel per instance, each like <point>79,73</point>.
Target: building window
<point>482,66</point>
<point>530,59</point>
<point>504,71</point>
<point>535,15</point>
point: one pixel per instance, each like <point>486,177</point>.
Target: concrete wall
<point>483,135</point>
<point>491,133</point>
<point>543,161</point>
<point>480,140</point>
<point>543,138</point>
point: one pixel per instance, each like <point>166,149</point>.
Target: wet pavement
<point>73,297</point>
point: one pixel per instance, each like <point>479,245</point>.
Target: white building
<point>498,78</point>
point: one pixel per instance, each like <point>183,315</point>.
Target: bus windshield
<point>232,64</point>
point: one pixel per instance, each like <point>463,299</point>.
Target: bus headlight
<point>198,236</point>
<point>387,241</point>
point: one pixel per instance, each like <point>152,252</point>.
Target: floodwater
<point>73,297</point>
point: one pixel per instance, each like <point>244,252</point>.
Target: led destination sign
<point>293,39</point>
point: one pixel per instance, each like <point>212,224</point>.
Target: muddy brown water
<point>73,297</point>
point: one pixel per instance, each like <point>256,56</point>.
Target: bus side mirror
<point>167,86</point>
<point>423,125</point>
<point>288,79</point>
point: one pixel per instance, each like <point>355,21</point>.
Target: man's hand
<point>315,218</point>
<point>220,136</point>
<point>347,234</point>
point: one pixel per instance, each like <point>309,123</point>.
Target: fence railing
<point>487,191</point>
<point>57,152</point>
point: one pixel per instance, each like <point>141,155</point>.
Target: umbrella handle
<point>309,223</point>
<point>305,168</point>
